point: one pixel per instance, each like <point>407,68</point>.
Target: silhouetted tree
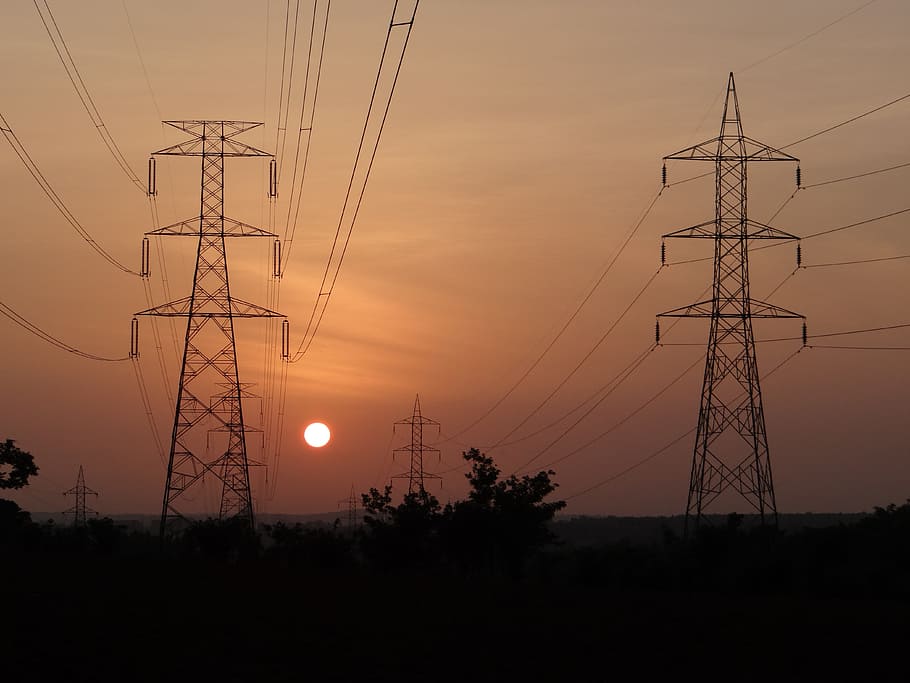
<point>401,535</point>
<point>16,526</point>
<point>503,521</point>
<point>16,466</point>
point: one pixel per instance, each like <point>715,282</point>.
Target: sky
<point>523,143</point>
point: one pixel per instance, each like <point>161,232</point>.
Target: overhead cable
<point>598,281</point>
<point>30,327</point>
<point>324,294</point>
<point>72,71</point>
<point>660,450</point>
<point>55,199</point>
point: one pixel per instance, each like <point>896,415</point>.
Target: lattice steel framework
<point>210,354</point>
<point>731,443</point>
<point>80,510</point>
<point>416,449</point>
<point>350,506</point>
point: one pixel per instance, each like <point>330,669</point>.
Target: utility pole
<point>416,449</point>
<point>80,510</point>
<point>209,367</point>
<point>731,443</point>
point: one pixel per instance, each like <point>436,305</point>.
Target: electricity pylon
<point>731,443</point>
<point>350,504</point>
<point>210,354</point>
<point>80,510</point>
<point>416,449</point>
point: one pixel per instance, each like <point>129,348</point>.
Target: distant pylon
<point>350,504</point>
<point>731,443</point>
<point>210,354</point>
<point>80,510</point>
<point>416,449</point>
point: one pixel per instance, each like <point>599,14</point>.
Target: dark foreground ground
<point>87,618</point>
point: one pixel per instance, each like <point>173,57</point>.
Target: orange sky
<point>524,140</point>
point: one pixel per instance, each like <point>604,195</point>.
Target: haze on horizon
<point>523,142</point>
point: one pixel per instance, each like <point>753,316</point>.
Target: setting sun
<point>317,435</point>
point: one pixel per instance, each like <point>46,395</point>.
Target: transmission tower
<point>209,395</point>
<point>350,504</point>
<point>80,510</point>
<point>416,449</point>
<point>731,444</point>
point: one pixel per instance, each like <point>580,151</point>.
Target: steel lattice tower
<point>350,504</point>
<point>80,510</point>
<point>210,355</point>
<point>731,444</point>
<point>416,449</point>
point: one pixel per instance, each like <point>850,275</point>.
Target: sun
<point>317,434</point>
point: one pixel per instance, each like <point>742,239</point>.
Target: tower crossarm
<point>80,489</point>
<point>730,148</point>
<point>201,132</point>
<point>717,230</point>
<point>230,228</point>
<point>730,307</point>
<point>420,419</point>
<point>184,307</point>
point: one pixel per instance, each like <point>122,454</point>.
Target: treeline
<point>494,532</point>
<point>869,557</point>
<point>502,531</point>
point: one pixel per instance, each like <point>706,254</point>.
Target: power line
<point>324,294</point>
<point>614,427</point>
<point>147,409</point>
<point>55,199</point>
<point>862,348</point>
<point>603,274</point>
<point>667,446</point>
<point>857,261</point>
<point>617,379</point>
<point>850,120</point>
<point>279,148</point>
<point>642,406</point>
<point>32,328</point>
<point>850,225</point>
<point>777,53</point>
<point>808,36</point>
<point>72,71</point>
<point>612,384</point>
<point>609,387</point>
<point>291,226</point>
<point>288,237</point>
<point>145,73</point>
<point>864,330</point>
<point>584,359</point>
<point>858,175</point>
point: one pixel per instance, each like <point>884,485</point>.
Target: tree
<point>494,531</point>
<point>503,521</point>
<point>404,535</point>
<point>16,466</point>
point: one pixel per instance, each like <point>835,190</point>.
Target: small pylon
<point>350,504</point>
<point>80,510</point>
<point>416,449</point>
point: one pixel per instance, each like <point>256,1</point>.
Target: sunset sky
<point>523,142</point>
